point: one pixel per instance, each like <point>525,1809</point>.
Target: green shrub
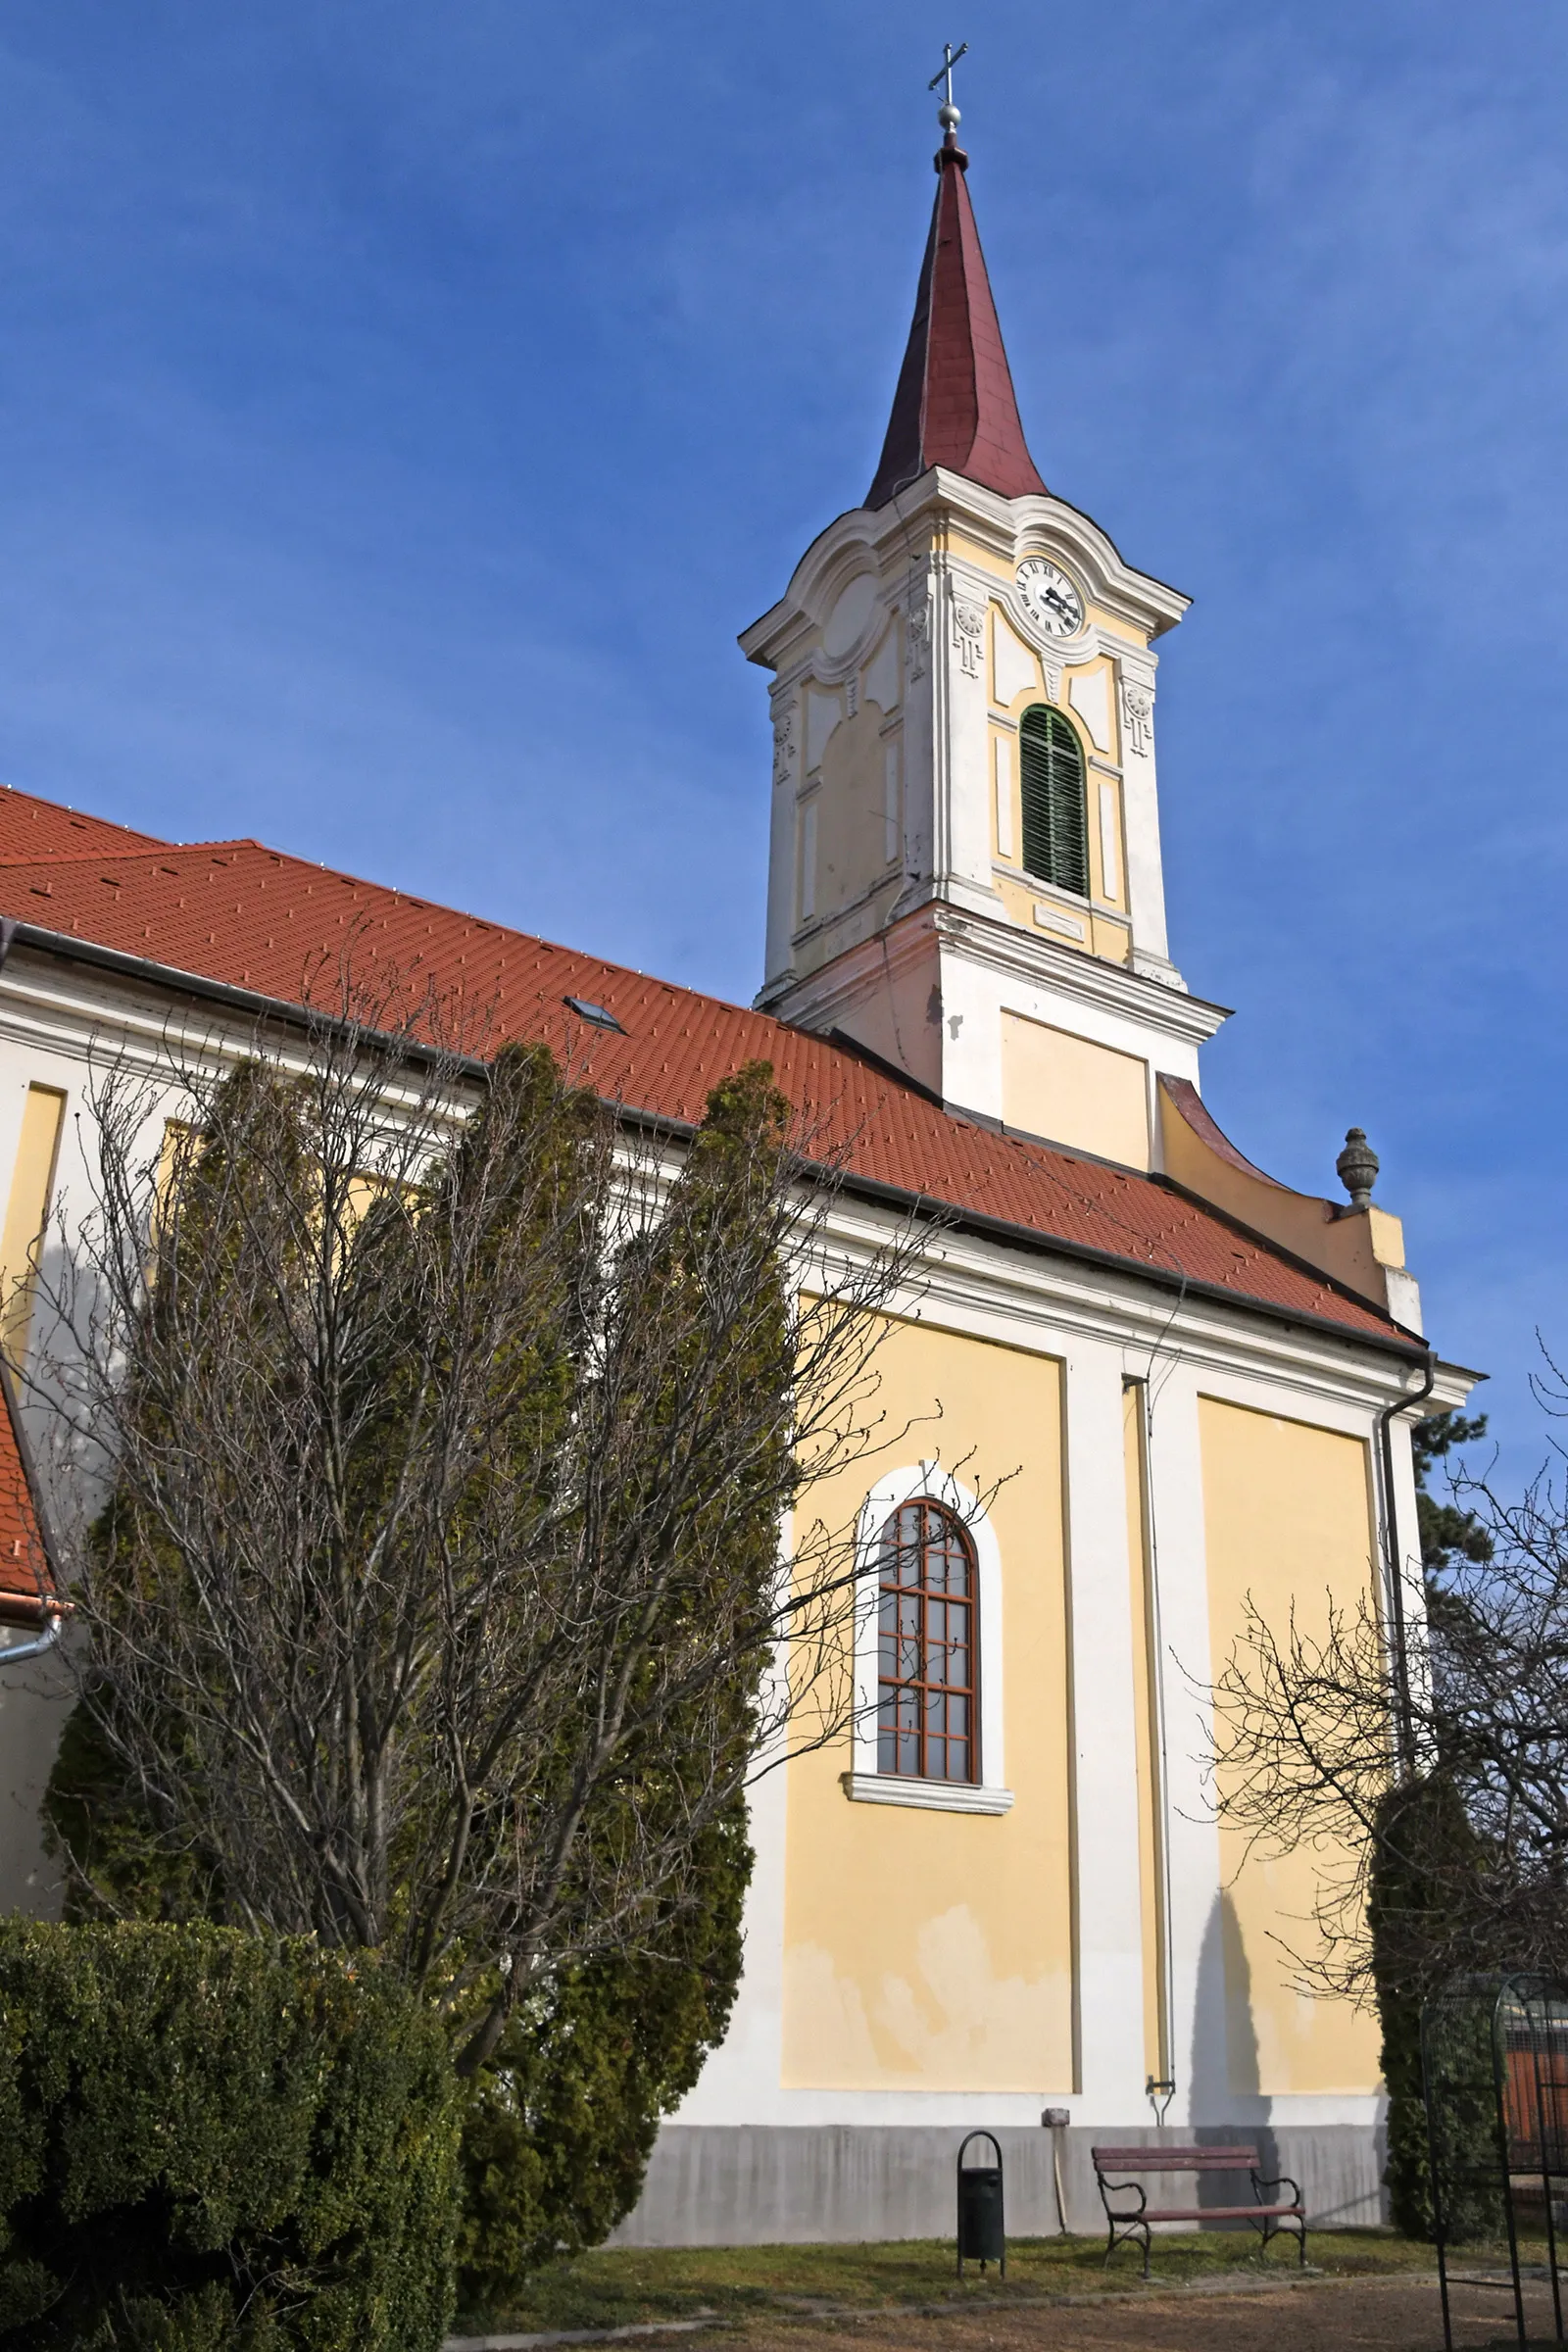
<point>209,2139</point>
<point>558,2127</point>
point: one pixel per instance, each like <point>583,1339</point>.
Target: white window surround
<point>928,1797</point>
<point>989,1794</point>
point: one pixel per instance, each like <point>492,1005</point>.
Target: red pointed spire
<point>954,405</point>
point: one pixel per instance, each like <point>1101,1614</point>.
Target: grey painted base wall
<point>777,2184</point>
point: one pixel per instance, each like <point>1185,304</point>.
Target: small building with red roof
<point>1179,1384</point>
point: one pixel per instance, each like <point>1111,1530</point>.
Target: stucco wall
<point>927,1949</point>
<point>1287,1515</point>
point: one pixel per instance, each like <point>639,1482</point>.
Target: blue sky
<point>401,410</point>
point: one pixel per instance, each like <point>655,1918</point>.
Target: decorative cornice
<point>1024,956</point>
<point>1012,527</point>
<point>888,952</point>
<point>1159,969</point>
<point>1008,528</point>
<point>1059,653</point>
<point>814,1001</point>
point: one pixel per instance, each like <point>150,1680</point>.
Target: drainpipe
<point>1396,1574</point>
<point>15,1651</point>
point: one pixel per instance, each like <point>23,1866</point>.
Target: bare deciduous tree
<point>448,1433</point>
<point>1308,1753</point>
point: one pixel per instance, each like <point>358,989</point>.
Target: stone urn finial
<point>1357,1168</point>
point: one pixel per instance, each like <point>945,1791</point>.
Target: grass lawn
<point>610,2288</point>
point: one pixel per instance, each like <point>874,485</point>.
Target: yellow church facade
<point>965,881</point>
<point>1134,1384</point>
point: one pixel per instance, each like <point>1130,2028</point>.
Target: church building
<point>1176,1382</point>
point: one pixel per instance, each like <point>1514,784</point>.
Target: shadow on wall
<point>35,1697</point>
<point>1225,2073</point>
<point>1242,2079</point>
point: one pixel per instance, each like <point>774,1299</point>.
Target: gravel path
<point>1373,2315</point>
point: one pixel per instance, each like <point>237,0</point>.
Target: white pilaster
<point>1109,1967</point>
<point>962,746</point>
<point>781,849</point>
<point>1404,1541</point>
<point>740,2080</point>
<point>919,776</point>
<point>1145,874</point>
<point>1181,1576</point>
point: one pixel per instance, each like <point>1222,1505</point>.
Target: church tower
<point>965,860</point>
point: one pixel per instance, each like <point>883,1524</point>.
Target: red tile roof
<point>33,828</point>
<point>954,405</point>
<point>26,1577</point>
<point>249,917</point>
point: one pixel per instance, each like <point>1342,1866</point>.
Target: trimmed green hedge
<point>207,2139</point>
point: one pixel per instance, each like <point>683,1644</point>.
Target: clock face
<point>1055,603</point>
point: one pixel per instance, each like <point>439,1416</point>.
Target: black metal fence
<point>1495,2056</point>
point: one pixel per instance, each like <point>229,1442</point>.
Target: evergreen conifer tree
<point>435,1604</point>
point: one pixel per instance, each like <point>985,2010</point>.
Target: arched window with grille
<point>927,1677</point>
<point>1050,771</point>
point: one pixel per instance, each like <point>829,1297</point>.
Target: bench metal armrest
<point>1261,2180</point>
<point>1122,2188</point>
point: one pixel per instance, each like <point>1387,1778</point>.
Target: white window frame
<point>863,1781</point>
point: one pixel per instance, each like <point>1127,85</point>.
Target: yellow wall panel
<point>931,1950</point>
<point>851,812</point>
<point>1112,941</point>
<point>1288,1517</point>
<point>1074,1092</point>
<point>33,1181</point>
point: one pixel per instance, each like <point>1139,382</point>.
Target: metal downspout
<point>15,1651</point>
<point>1394,1566</point>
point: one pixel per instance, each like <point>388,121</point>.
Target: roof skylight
<point>586,1011</point>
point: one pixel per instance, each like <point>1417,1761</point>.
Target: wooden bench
<point>1132,2222</point>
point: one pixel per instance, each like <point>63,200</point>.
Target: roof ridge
<point>155,854</point>
<point>152,850</point>
<point>81,816</point>
<point>677,1044</point>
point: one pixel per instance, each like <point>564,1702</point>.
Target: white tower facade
<point>965,877</point>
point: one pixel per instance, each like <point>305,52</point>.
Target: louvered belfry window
<point>1051,769</point>
<point>927,1681</point>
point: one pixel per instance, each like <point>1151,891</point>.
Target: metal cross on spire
<point>944,75</point>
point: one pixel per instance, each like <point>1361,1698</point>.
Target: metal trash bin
<point>982,2227</point>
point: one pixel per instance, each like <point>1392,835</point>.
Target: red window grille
<point>926,1679</point>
